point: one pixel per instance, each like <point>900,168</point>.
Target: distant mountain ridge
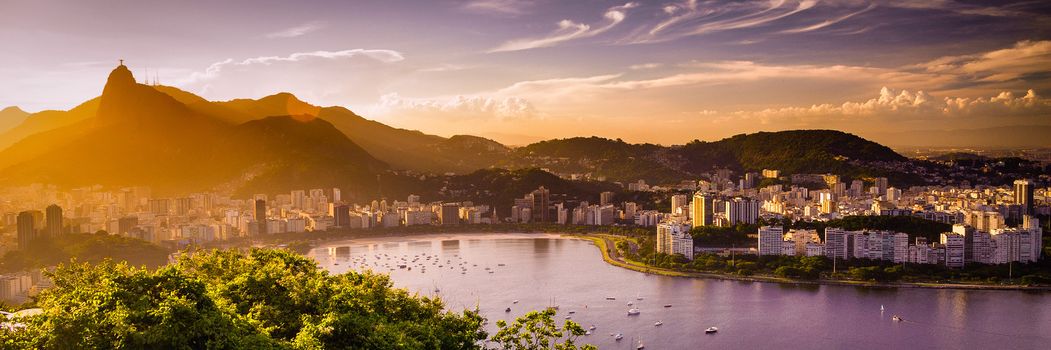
<point>795,151</point>
<point>175,141</point>
<point>11,117</point>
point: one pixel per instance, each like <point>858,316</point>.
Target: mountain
<point>794,151</point>
<point>797,151</point>
<point>414,150</point>
<point>141,135</point>
<point>11,117</point>
<point>613,159</point>
<point>47,120</point>
<point>402,148</point>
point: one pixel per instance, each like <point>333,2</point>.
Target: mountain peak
<point>120,76</point>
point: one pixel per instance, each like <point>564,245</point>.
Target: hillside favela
<point>525,174</point>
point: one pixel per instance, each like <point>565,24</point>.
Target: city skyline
<point>523,71</point>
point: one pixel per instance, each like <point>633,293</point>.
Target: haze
<point>518,71</point>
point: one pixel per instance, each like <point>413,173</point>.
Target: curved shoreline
<point>603,244</point>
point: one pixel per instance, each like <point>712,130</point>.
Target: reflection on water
<point>492,271</point>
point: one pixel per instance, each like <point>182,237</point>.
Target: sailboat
<point>881,308</point>
<point>640,346</point>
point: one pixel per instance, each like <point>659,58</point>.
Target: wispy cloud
<point>828,22</point>
<point>954,7</point>
<point>498,7</point>
<point>569,30</point>
<point>456,108</point>
<point>387,56</point>
<point>642,66</point>
<point>299,30</point>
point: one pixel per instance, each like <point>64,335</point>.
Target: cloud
<point>386,56</point>
<point>456,108</point>
<point>954,7</point>
<point>902,105</point>
<point>687,18</point>
<point>324,77</point>
<point>499,7</point>
<point>642,66</point>
<point>1024,59</point>
<point>828,22</point>
<point>568,30</point>
<point>299,30</point>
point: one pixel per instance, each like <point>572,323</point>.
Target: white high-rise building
<point>771,239</point>
<point>954,249</point>
<point>742,210</point>
<point>673,237</point>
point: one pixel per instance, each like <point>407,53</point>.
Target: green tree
<point>258,299</point>
<point>537,330</point>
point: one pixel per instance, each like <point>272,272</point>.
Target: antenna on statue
<point>122,61</point>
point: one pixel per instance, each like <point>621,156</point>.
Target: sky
<point>663,72</point>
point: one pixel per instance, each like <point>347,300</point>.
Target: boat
<point>592,327</point>
<point>633,312</point>
<point>507,310</point>
<point>569,317</point>
<point>658,324</point>
<point>881,308</point>
<point>630,303</point>
<point>572,312</point>
<point>611,298</point>
<point>587,333</point>
<point>640,346</point>
<point>500,265</point>
<point>711,330</point>
<point>667,305</point>
<point>515,302</point>
<point>897,318</point>
<point>618,337</point>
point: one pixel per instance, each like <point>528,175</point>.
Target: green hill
<point>797,151</point>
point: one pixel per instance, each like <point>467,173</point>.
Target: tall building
<point>341,216</point>
<point>976,243</point>
<point>298,199</point>
<point>260,215</point>
<point>54,220</point>
<point>770,240</point>
<point>337,195</point>
<point>954,249</point>
<point>449,214</point>
<point>679,201</point>
<point>702,210</point>
<point>541,210</point>
<point>881,185</point>
<point>1036,233</point>
<point>605,198</point>
<point>742,210</point>
<point>673,237</point>
<point>1024,195</point>
<point>836,243</point>
<point>26,229</point>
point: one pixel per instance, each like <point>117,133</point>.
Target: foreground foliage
<point>259,299</point>
<point>262,299</point>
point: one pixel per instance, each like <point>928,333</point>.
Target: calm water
<point>541,270</point>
